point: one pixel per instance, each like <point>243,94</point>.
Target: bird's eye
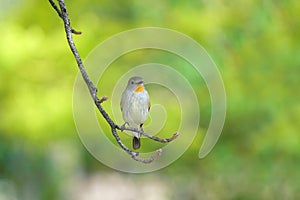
<point>132,82</point>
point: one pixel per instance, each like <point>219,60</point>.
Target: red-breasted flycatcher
<point>135,105</point>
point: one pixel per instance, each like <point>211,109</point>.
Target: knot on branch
<point>104,98</point>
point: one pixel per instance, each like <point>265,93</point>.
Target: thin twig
<point>123,128</point>
<point>104,98</point>
<point>149,160</point>
<point>60,15</point>
<point>63,14</point>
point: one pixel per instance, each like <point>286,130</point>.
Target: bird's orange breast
<point>139,88</point>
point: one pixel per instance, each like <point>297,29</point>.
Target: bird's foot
<point>123,126</point>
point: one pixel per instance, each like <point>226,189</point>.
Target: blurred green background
<point>255,44</point>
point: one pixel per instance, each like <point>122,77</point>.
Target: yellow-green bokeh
<point>255,45</point>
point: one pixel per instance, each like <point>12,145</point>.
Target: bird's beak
<point>139,88</point>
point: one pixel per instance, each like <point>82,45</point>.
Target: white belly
<point>135,109</point>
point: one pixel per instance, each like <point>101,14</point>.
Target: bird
<point>135,106</point>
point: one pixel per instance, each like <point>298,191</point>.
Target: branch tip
<point>104,98</point>
<point>175,135</point>
<point>59,12</point>
<point>76,32</point>
<point>159,151</point>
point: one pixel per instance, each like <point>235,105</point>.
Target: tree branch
<point>60,15</point>
<point>123,128</point>
<point>63,14</point>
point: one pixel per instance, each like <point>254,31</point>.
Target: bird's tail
<point>136,143</point>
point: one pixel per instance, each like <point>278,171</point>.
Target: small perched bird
<point>135,105</point>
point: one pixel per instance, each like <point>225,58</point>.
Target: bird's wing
<point>149,105</point>
<point>122,100</point>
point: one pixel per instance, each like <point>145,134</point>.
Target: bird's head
<point>136,84</point>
